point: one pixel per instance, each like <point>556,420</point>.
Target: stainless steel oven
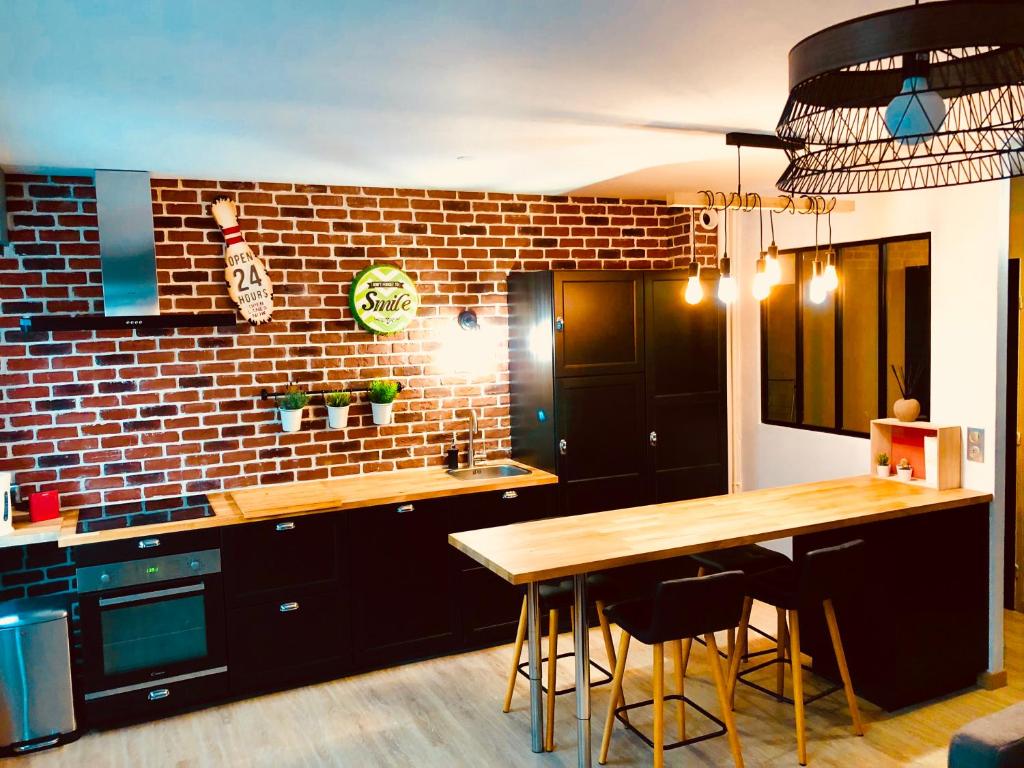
<point>152,626</point>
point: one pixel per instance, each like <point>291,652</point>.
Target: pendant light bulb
<point>694,290</point>
<point>917,113</point>
<point>818,292</point>
<point>831,275</point>
<point>772,266</point>
<point>726,283</point>
<point>762,282</point>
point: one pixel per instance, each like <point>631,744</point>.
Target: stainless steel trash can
<point>36,704</point>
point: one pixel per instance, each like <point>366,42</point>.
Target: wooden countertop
<point>292,499</point>
<point>27,532</point>
<point>560,547</point>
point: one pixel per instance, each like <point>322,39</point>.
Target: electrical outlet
<point>976,445</point>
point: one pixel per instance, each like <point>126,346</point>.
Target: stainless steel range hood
<point>131,299</point>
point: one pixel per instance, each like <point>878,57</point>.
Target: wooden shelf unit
<point>949,451</point>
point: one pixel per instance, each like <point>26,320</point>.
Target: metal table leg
<point>582,640</point>
<point>533,654</point>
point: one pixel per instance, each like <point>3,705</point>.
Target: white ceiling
<point>612,97</point>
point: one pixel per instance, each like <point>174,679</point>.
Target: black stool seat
<point>749,558</point>
<point>779,587</point>
<point>682,608</point>
<point>557,595</point>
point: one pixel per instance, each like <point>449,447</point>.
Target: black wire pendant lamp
<point>921,96</point>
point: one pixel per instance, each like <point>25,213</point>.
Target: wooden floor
<point>447,712</point>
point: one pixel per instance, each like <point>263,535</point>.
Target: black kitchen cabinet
<point>273,561</point>
<point>618,386</point>
<point>488,605</point>
<point>403,577</point>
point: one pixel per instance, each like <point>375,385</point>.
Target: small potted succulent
<point>882,464</point>
<point>903,470</point>
<point>291,407</point>
<point>382,398</point>
<point>337,409</point>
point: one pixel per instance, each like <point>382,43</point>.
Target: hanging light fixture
<point>772,264</point>
<point>831,274</point>
<point>694,290</point>
<point>762,285</point>
<point>928,95</point>
<point>726,282</point>
<point>818,292</point>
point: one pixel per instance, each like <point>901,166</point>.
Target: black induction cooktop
<point>136,514</point>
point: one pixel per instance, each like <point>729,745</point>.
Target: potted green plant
<point>882,464</point>
<point>291,406</point>
<point>382,398</point>
<point>337,409</point>
<point>903,470</point>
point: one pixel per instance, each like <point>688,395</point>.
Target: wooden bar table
<point>556,548</point>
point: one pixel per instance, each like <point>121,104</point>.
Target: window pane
<point>780,345</point>
<point>859,286</point>
<point>819,353</point>
<point>908,320</point>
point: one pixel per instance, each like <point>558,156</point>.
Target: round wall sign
<point>383,299</point>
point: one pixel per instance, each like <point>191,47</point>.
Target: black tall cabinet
<point>619,386</point>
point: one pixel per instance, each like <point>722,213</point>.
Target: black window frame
<point>883,318</point>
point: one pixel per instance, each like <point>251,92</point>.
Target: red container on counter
<point>44,505</point>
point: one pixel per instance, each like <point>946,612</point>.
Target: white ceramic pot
<point>291,421</point>
<point>337,416</point>
<point>905,474</point>
<point>382,413</point>
<point>882,470</point>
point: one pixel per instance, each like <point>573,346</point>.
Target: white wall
<point>969,227</point>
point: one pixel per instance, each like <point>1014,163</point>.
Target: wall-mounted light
<point>468,321</point>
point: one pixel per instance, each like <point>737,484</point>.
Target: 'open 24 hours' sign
<point>383,299</point>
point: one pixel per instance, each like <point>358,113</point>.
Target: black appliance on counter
<point>152,621</point>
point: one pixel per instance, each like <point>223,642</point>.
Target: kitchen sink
<point>483,473</point>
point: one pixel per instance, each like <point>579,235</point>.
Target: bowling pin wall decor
<point>248,283</point>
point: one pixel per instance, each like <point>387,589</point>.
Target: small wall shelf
<point>266,394</point>
<point>909,439</point>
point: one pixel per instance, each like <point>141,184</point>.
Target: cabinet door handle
<point>563,447</point>
<point>405,508</point>
<point>510,495</point>
<point>288,607</point>
<point>148,543</point>
<point>159,693</point>
<point>289,526</point>
<point>653,437</point>
<point>559,324</point>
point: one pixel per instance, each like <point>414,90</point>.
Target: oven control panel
<point>152,570</point>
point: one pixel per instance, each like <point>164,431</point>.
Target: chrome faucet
<point>471,453</point>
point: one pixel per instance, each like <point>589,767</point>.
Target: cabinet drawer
<point>156,700</point>
<point>505,507</point>
<point>280,637</point>
<point>268,560</point>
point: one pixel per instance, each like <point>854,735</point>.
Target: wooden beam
<point>734,203</point>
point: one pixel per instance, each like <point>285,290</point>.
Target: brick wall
<point>113,416</point>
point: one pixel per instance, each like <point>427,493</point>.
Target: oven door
<point>137,636</point>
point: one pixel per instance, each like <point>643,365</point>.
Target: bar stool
<point>554,597</point>
<point>820,576</point>
<point>750,559</point>
<point>680,608</point>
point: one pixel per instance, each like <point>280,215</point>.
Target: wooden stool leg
<point>677,652</point>
<point>798,685</point>
<point>620,669</point>
<point>609,647</point>
<point>844,671</point>
<point>737,655</point>
<point>723,699</point>
<point>517,654</point>
<point>549,737</point>
<point>659,705</point>
<point>780,652</point>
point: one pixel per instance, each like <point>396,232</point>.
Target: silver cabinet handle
<point>148,543</point>
<point>563,447</point>
<point>405,508</point>
<point>559,324</point>
<point>288,607</point>
<point>289,526</point>
<point>510,495</point>
<point>159,693</point>
<point>653,437</point>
